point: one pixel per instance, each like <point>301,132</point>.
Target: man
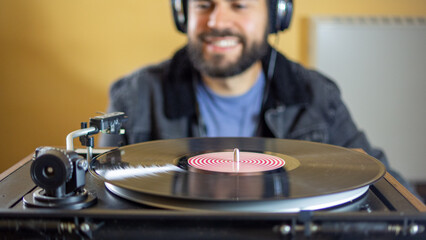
<point>228,81</point>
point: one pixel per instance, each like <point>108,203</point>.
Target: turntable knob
<point>61,176</point>
<point>51,169</point>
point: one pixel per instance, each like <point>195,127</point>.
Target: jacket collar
<point>178,87</point>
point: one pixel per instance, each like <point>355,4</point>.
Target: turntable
<point>208,188</point>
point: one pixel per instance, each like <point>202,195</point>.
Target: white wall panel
<point>380,67</point>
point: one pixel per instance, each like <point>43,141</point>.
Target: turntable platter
<point>311,175</point>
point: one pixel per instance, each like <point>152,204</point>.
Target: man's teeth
<point>225,43</point>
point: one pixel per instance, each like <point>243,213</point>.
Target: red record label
<point>249,162</point>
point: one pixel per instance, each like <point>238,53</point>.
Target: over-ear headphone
<point>280,12</point>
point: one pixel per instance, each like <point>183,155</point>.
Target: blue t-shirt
<point>235,116</point>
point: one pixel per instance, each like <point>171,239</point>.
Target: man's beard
<point>212,68</point>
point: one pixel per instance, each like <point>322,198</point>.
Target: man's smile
<point>221,44</point>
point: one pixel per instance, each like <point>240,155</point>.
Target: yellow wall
<point>58,58</point>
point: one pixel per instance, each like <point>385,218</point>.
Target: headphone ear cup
<point>286,18</point>
<point>179,9</point>
<point>280,15</point>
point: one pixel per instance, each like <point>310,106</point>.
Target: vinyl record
<point>237,174</point>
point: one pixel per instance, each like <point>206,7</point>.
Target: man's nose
<point>220,18</point>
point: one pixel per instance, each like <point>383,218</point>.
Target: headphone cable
<point>271,68</point>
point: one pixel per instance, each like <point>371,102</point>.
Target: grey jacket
<point>299,104</point>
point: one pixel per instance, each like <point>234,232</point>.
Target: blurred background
<point>58,58</point>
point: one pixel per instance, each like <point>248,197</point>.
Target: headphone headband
<point>280,12</point>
